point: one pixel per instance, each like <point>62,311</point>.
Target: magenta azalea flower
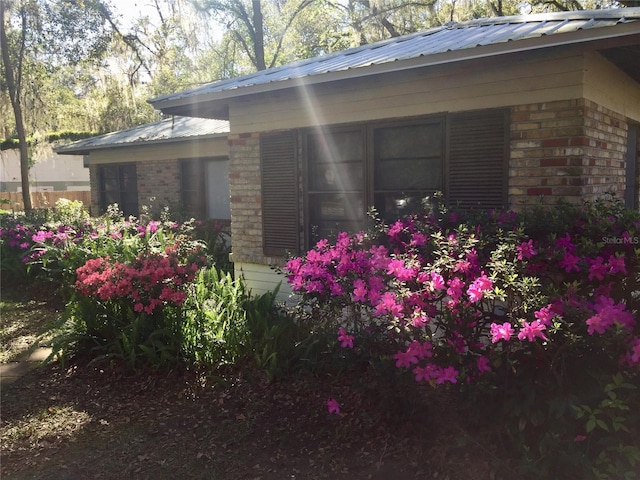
<point>346,341</point>
<point>532,330</point>
<point>501,332</point>
<point>526,250</point>
<point>333,406</point>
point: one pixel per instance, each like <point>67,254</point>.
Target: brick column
<point>246,198</point>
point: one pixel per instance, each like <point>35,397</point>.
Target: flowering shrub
<point>149,283</point>
<point>496,301</point>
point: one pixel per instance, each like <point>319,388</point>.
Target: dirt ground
<point>101,422</point>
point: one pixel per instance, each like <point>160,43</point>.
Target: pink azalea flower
<point>397,268</point>
<point>501,332</point>
<point>359,291</point>
<point>570,262</point>
<point>448,374</point>
<point>420,350</point>
<point>345,339</point>
<point>616,265</point>
<point>532,330</point>
<point>526,250</point>
<point>455,289</point>
<point>545,315</point>
<point>437,282</point>
<point>483,364</point>
<point>607,314</point>
<point>478,287</point>
<point>405,359</point>
<point>634,355</point>
<point>426,373</point>
<point>597,269</point>
<point>388,304</point>
<point>333,406</point>
<point>418,239</point>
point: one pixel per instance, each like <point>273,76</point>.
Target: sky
<point>131,9</point>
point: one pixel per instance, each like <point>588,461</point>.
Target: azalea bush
<point>531,312</point>
<point>124,280</point>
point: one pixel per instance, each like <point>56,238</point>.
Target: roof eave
<point>86,150</point>
<point>216,103</point>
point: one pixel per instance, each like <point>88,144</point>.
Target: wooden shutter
<point>478,159</point>
<point>280,199</point>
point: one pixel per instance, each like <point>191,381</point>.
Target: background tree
<point>253,25</point>
<point>36,37</point>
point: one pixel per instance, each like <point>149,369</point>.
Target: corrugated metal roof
<point>168,130</point>
<point>453,37</point>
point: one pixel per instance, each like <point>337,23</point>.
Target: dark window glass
<point>408,167</point>
<point>118,184</point>
<point>192,188</point>
<point>336,186</point>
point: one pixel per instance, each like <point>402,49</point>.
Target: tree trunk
<point>14,95</point>
<point>258,27</point>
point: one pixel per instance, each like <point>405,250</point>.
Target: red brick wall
<point>573,149</point>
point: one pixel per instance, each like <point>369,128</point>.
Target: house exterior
<point>54,173</point>
<point>502,112</point>
<point>180,162</point>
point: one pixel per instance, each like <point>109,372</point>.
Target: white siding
<point>261,279</point>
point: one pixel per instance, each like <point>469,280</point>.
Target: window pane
<point>409,142</point>
<point>217,175</point>
<point>336,146</point>
<point>336,177</point>
<point>408,167</point>
<point>418,173</point>
<point>391,206</point>
<point>118,184</point>
<point>336,183</point>
<point>338,207</point>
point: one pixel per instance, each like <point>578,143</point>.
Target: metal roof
<point>168,130</point>
<point>457,40</point>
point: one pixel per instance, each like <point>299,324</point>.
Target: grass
<point>103,422</point>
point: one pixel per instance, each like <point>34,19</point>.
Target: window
<point>192,187</point>
<point>394,166</point>
<point>204,187</point>
<point>407,168</point>
<point>335,165</point>
<point>118,184</point>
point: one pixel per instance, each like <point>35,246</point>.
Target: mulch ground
<point>85,422</point>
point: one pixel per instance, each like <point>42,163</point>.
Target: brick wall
<point>246,200</point>
<point>573,149</point>
<point>158,184</point>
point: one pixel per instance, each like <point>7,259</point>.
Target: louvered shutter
<point>280,202</point>
<point>478,151</point>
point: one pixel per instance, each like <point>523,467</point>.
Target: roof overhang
<point>72,149</point>
<point>216,104</point>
